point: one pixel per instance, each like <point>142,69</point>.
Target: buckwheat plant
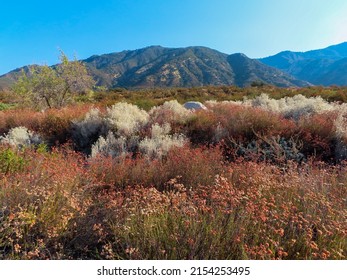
<point>125,119</point>
<point>341,133</point>
<point>86,132</point>
<point>170,111</point>
<point>161,142</point>
<point>292,107</point>
<point>109,146</point>
<point>20,137</point>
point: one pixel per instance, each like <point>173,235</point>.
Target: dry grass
<point>58,205</point>
<point>193,202</point>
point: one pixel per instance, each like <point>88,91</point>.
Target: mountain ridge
<point>320,67</point>
<point>158,66</point>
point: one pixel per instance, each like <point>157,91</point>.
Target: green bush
<point>4,106</point>
<point>10,161</point>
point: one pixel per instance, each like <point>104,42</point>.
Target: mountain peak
<point>238,55</point>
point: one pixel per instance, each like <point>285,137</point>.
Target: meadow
<point>260,174</point>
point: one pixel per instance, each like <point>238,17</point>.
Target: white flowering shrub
<point>158,131</point>
<point>109,146</point>
<point>210,104</point>
<point>341,133</point>
<point>125,119</point>
<point>170,111</point>
<point>122,119</point>
<point>341,122</point>
<point>21,137</point>
<point>292,107</point>
<point>160,142</point>
<point>87,131</point>
<point>156,146</point>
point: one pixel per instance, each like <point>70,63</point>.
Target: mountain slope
<point>173,67</point>
<point>182,67</point>
<point>321,67</point>
<point>336,74</point>
<point>163,67</point>
<point>7,80</point>
<point>249,70</point>
<point>157,66</point>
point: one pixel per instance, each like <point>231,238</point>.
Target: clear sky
<point>33,31</point>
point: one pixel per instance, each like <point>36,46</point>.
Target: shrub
<point>125,125</point>
<point>20,137</point>
<point>191,166</point>
<point>109,146</point>
<point>273,149</point>
<point>4,106</point>
<point>54,125</point>
<point>173,201</point>
<point>189,205</point>
<point>341,134</point>
<point>113,133</point>
<point>170,112</point>
<point>257,212</point>
<point>292,107</point>
<point>38,202</point>
<point>160,142</point>
<point>317,133</point>
<point>243,122</point>
<point>55,129</point>
<point>20,117</point>
<point>10,161</point>
<point>203,127</point>
<point>125,119</point>
<point>87,131</point>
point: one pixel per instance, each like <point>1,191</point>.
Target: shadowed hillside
<point>320,67</point>
<point>157,66</point>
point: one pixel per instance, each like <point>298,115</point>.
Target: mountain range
<point>325,67</point>
<point>157,66</point>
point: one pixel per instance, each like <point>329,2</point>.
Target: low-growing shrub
<point>4,106</point>
<point>189,205</point>
<point>10,161</point>
<point>110,146</point>
<point>317,133</point>
<point>20,137</point>
<point>55,129</point>
<point>125,119</point>
<point>160,142</point>
<point>87,131</point>
<point>292,107</point>
<point>191,166</point>
<point>144,195</point>
<point>122,120</point>
<point>204,128</point>
<point>21,117</point>
<point>277,150</point>
<point>341,134</point>
<point>170,112</point>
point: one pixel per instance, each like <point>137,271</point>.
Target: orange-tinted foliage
<point>61,205</point>
<point>233,192</point>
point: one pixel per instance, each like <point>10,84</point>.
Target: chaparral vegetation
<point>260,173</point>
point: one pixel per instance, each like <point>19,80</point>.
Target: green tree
<point>54,87</point>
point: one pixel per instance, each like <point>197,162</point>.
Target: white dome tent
<point>194,105</point>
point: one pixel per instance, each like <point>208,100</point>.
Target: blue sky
<point>33,31</point>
